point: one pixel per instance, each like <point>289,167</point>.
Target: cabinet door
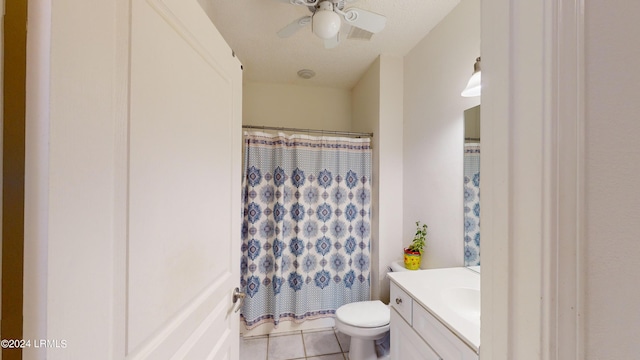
<point>406,344</point>
<point>401,302</point>
<point>446,343</point>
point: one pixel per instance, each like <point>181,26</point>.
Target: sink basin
<point>463,301</point>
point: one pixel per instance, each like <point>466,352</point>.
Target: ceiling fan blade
<point>333,42</point>
<point>364,19</point>
<point>292,28</point>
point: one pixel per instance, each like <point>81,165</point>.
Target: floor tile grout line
<point>268,341</point>
<point>304,346</point>
<point>338,340</point>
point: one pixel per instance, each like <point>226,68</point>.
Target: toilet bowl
<point>365,322</point>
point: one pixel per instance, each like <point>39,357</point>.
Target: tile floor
<point>321,344</point>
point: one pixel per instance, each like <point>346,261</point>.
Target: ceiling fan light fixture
<point>474,85</point>
<point>325,22</point>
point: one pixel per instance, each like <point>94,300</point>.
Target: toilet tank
<point>397,265</point>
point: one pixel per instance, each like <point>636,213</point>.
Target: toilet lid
<point>364,314</point>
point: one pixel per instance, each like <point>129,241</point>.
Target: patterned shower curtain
<point>306,229</point>
<point>471,204</point>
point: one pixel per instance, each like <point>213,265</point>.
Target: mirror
<point>472,187</point>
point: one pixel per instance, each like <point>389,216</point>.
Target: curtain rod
<point>331,132</point>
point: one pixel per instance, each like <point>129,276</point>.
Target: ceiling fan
<point>327,17</point>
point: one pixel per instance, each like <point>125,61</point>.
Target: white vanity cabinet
<point>410,345</point>
<point>417,334</point>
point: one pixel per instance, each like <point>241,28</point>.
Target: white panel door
<point>184,185</point>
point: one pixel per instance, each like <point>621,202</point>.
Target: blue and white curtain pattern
<point>471,204</point>
<point>306,229</point>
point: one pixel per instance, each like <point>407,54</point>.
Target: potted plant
<point>413,253</point>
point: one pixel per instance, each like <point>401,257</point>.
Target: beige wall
<point>366,118</point>
<point>377,108</point>
<point>612,173</point>
<point>306,107</point>
<point>435,72</point>
<point>390,171</point>
<point>366,102</point>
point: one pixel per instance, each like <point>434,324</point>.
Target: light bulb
<point>325,24</point>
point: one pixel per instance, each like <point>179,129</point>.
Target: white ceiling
<point>250,27</point>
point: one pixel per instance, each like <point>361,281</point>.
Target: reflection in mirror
<point>472,187</point>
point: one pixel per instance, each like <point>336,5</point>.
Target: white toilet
<point>365,322</point>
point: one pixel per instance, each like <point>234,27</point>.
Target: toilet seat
<point>364,314</point>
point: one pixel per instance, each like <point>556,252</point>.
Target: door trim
<point>533,167</point>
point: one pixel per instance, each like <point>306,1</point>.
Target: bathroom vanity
<point>435,314</point>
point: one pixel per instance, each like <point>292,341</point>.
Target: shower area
<point>350,122</point>
<point>306,229</point>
